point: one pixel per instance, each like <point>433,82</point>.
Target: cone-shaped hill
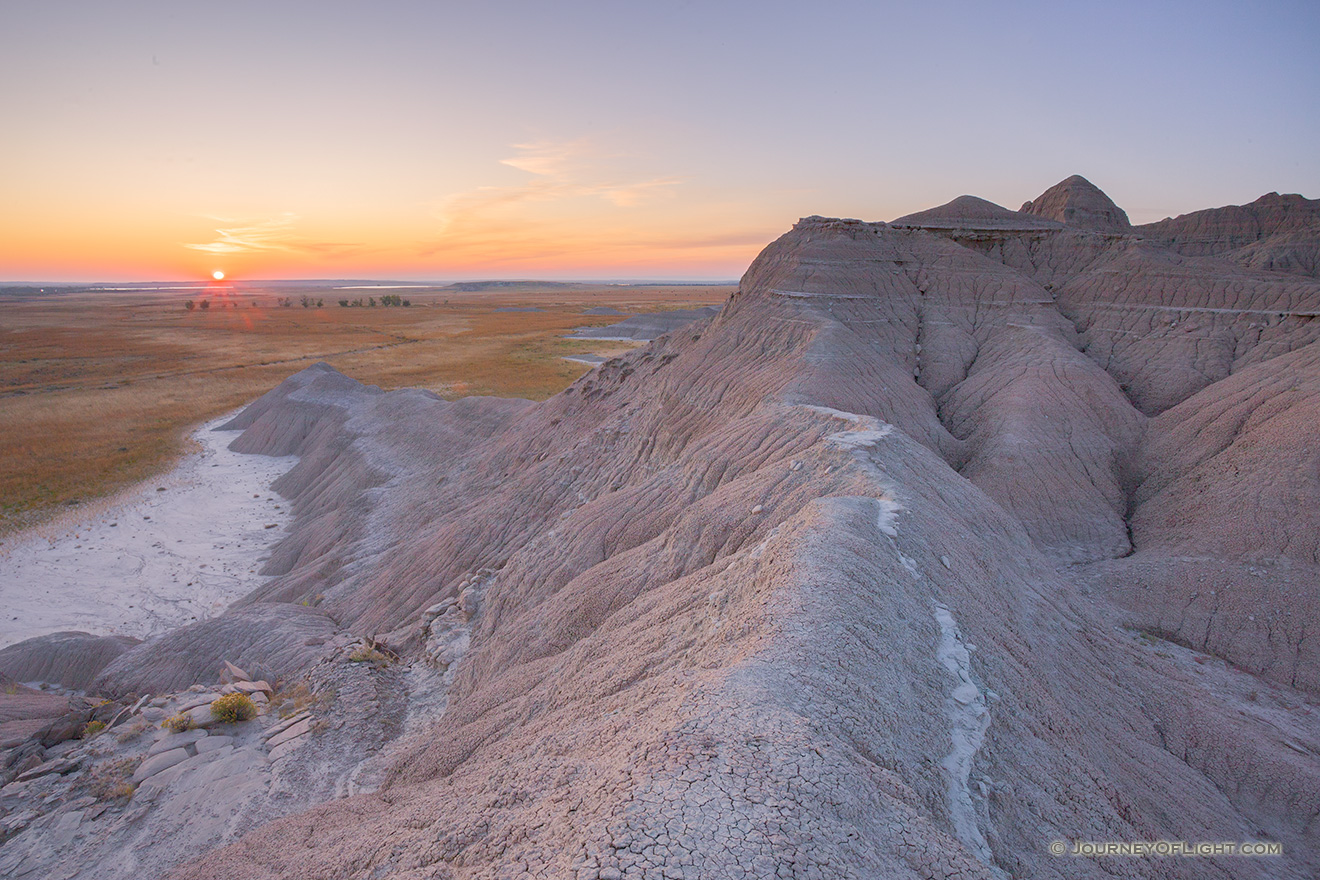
<point>1080,203</point>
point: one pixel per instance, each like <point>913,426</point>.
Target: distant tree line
<point>284,302</point>
<point>389,299</point>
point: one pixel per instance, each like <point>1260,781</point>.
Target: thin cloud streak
<point>276,234</point>
<point>566,176</point>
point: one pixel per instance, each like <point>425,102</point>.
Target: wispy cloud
<point>576,207</point>
<point>275,234</point>
<point>561,171</point>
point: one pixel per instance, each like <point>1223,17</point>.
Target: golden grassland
<point>98,390</point>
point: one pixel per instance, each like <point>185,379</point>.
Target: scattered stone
<point>467,602</point>
<point>252,687</point>
<point>238,674</point>
<point>59,765</point>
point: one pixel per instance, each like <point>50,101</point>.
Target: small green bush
<point>179,723</point>
<point>92,728</point>
<point>232,708</point>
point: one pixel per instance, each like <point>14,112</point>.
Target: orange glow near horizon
<point>568,231</point>
<point>351,144</point>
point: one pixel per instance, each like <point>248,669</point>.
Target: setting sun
<point>218,275</point>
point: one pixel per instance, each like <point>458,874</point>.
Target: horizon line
<point>372,282</point>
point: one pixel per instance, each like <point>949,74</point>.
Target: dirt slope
<point>820,587</point>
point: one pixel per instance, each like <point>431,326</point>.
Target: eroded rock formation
<point>945,539</point>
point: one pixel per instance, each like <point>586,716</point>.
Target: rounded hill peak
<point>1078,202</point>
<point>972,212</point>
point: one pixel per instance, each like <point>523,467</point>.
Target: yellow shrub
<point>179,723</point>
<point>234,707</point>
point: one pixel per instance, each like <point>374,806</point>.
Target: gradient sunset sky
<point>444,140</point>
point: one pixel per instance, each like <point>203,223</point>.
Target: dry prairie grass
<point>98,390</point>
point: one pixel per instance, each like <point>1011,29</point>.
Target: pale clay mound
<point>936,545</point>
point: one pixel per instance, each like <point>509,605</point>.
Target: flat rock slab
<point>211,743</point>
<point>252,687</point>
<point>202,716</point>
<point>290,733</point>
<point>59,765</point>
<point>285,748</point>
<point>198,700</point>
<point>286,723</point>
<point>176,741</point>
<point>157,763</point>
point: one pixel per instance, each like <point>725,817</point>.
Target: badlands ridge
<point>946,539</point>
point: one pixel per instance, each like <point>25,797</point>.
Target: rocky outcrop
<point>1297,253</point>
<point>804,590</point>
<point>279,639</point>
<point>69,659</point>
<point>1221,230</point>
<point>943,540</point>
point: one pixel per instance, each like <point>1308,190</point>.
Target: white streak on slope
<point>869,431</point>
<point>969,719</point>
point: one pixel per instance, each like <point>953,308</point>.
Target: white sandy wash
<point>174,550</point>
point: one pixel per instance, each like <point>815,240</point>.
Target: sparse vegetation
<point>66,358</point>
<point>368,654</point>
<point>297,697</point>
<point>92,728</point>
<point>179,723</point>
<point>132,730</point>
<point>292,699</point>
<point>109,780</point>
<point>232,708</point>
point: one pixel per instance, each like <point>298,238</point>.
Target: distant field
<point>98,389</point>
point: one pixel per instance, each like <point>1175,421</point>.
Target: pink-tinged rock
<point>156,763</point>
<point>290,733</point>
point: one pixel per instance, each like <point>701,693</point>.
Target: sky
<point>438,140</point>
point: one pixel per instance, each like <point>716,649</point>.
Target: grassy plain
<point>98,389</point>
